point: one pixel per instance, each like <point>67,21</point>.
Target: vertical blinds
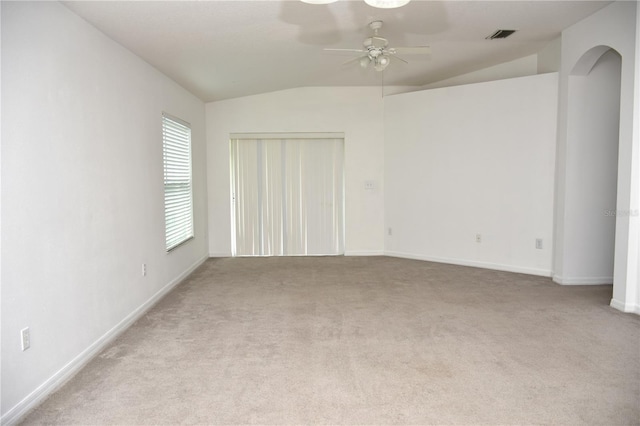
<point>288,196</point>
<point>178,199</point>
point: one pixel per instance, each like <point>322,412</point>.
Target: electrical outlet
<point>478,238</point>
<point>144,269</point>
<point>25,338</point>
<point>539,243</point>
<point>390,232</point>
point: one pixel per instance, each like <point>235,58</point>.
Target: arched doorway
<point>591,169</point>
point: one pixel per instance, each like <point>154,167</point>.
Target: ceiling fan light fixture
<point>365,61</point>
<point>318,1</point>
<point>386,4</point>
<point>382,62</point>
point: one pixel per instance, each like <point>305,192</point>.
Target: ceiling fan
<point>376,50</point>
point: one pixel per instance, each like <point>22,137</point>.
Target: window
<point>178,198</point>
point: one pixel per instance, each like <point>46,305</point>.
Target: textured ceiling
<point>226,49</point>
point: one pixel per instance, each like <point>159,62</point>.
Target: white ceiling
<point>226,49</point>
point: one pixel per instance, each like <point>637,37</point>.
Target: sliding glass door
<point>288,196</point>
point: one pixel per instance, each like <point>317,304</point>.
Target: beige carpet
<point>346,340</point>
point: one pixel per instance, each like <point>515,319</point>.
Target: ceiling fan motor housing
<point>375,46</point>
<point>377,42</point>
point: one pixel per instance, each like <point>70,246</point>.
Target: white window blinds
<point>288,196</point>
<point>178,199</point>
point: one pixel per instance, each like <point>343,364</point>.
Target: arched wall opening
<point>591,181</point>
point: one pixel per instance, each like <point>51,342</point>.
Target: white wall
<point>0,208</point>
<point>520,67</point>
<point>612,27</point>
<point>633,292</point>
<point>356,111</point>
<point>82,194</point>
<point>467,160</point>
<point>549,58</point>
<point>593,170</point>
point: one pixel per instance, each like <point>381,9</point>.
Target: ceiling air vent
<point>500,34</point>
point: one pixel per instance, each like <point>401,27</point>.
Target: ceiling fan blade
<point>359,51</point>
<point>413,50</point>
<point>350,61</point>
<point>398,58</point>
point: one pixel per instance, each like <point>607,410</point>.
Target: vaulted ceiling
<point>226,49</point>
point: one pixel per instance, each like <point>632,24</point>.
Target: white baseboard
<point>364,253</point>
<point>473,263</point>
<point>17,412</point>
<point>625,307</point>
<point>346,253</point>
<point>582,280</point>
<point>220,254</point>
